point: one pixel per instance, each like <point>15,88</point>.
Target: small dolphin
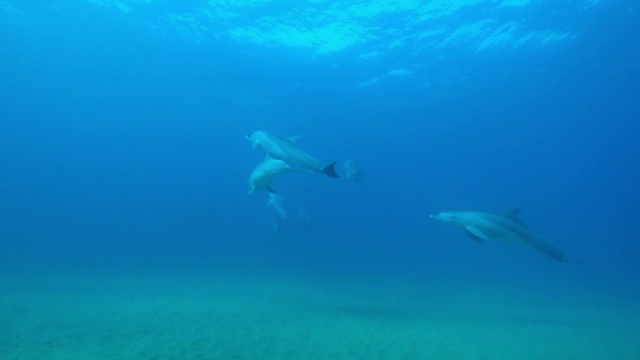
<point>303,213</point>
<point>276,201</point>
<point>262,175</point>
<point>354,171</point>
<point>481,226</point>
<point>304,217</point>
<point>286,149</point>
<point>276,224</point>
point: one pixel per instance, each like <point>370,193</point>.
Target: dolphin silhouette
<point>481,226</point>
<point>262,174</point>
<point>354,171</point>
<point>276,200</point>
<point>286,150</point>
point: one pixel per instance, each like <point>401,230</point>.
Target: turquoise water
<point>127,230</point>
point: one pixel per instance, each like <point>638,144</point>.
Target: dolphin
<point>262,174</point>
<point>276,224</point>
<point>354,171</point>
<point>481,226</point>
<point>286,149</point>
<point>276,200</point>
<point>304,217</point>
<point>303,213</point>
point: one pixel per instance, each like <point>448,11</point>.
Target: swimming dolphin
<point>304,217</point>
<point>262,175</point>
<point>276,200</point>
<point>285,149</point>
<point>354,171</point>
<point>481,226</point>
<point>303,213</point>
<point>276,224</point>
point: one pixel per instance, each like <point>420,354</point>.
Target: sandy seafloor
<point>276,316</point>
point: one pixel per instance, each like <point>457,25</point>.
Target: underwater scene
<point>319,179</point>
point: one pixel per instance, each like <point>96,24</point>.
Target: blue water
<point>123,124</point>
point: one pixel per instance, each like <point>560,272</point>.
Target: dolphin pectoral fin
<point>330,170</point>
<point>294,139</point>
<point>475,234</point>
<point>473,237</point>
<point>271,190</point>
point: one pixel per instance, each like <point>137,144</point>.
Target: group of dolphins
<point>282,155</point>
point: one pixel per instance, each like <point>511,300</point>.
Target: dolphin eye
<point>249,134</point>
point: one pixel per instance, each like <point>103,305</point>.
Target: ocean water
<point>127,231</point>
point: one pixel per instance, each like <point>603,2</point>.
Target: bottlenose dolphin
<point>276,200</point>
<point>481,226</point>
<point>354,171</point>
<point>286,149</point>
<point>262,175</point>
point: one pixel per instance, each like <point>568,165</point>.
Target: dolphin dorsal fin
<point>513,214</point>
<point>294,139</point>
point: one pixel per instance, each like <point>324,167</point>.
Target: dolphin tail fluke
<point>330,170</point>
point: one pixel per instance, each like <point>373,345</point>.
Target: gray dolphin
<point>354,170</point>
<point>286,149</point>
<point>481,226</point>
<point>262,174</point>
<point>277,201</point>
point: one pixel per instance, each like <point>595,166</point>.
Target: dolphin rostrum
<point>262,175</point>
<point>481,226</point>
<point>286,149</point>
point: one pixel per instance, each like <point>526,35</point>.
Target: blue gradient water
<point>123,124</point>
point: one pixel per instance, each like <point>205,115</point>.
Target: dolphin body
<point>276,200</point>
<point>286,150</point>
<point>354,171</point>
<point>481,226</point>
<point>262,174</point>
<point>304,217</point>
